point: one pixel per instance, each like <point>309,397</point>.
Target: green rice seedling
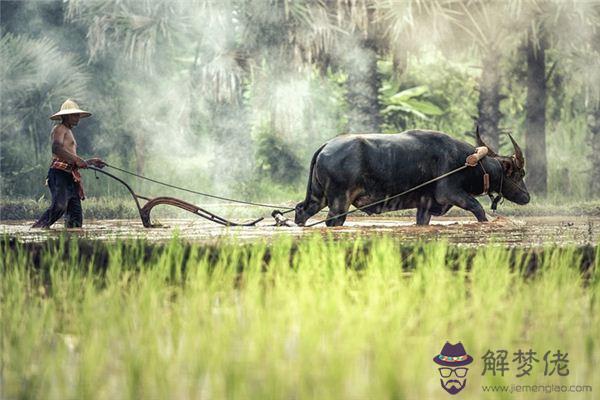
<point>291,318</point>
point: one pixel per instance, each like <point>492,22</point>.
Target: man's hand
<point>81,163</point>
<point>96,162</point>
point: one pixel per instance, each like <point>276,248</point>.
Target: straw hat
<point>69,107</point>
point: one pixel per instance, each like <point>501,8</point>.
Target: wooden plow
<point>146,209</point>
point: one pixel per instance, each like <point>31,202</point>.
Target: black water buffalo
<point>363,168</point>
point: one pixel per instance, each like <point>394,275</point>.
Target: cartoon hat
<point>453,355</point>
<point>69,107</point>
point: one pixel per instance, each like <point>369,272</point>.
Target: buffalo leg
<point>314,207</point>
<point>315,202</point>
<point>423,216</point>
<point>337,205</point>
<point>438,209</point>
<point>466,202</point>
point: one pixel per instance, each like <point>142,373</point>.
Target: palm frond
<point>36,78</point>
<point>136,28</point>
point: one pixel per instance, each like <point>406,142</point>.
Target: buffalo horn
<point>518,153</point>
<point>480,142</point>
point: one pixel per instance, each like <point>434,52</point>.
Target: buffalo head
<point>513,168</point>
<point>301,214</point>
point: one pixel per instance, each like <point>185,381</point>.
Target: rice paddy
<point>308,317</point>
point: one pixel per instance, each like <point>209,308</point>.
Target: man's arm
<point>58,148</point>
<point>96,162</point>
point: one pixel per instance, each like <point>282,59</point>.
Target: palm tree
<point>535,118</point>
<point>594,127</point>
<point>137,28</point>
<point>282,41</point>
<point>588,68</point>
<point>360,48</point>
<point>373,29</point>
<point>483,28</point>
<point>224,47</point>
<point>135,36</point>
<point>546,24</point>
<point>36,77</point>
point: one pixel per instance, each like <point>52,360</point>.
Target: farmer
<point>64,179</point>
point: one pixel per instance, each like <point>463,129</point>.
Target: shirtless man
<point>63,178</point>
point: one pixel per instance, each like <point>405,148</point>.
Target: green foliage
<point>128,320</point>
<point>275,159</point>
<point>408,103</point>
<point>430,95</point>
<point>184,83</point>
<point>262,189</point>
<point>138,29</point>
<point>566,118</point>
<point>93,208</point>
<point>36,77</point>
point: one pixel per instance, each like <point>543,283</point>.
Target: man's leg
<point>58,184</point>
<point>74,216</point>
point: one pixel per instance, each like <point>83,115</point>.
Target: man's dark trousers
<point>65,199</point>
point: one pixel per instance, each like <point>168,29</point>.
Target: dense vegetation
<point>309,319</point>
<point>234,96</point>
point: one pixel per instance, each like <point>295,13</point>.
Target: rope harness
<point>199,193</point>
<point>390,197</point>
<point>471,161</point>
<point>498,199</point>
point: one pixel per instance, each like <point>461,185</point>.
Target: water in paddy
<point>517,231</point>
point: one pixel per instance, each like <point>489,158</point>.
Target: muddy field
<point>520,231</point>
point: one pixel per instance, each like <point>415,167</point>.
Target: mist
<point>233,97</point>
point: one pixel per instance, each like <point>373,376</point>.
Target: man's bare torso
<point>64,136</point>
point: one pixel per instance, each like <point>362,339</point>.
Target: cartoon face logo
<point>453,374</point>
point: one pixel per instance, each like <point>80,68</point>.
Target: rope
<point>496,200</point>
<point>517,186</point>
<point>389,198</point>
<point>286,210</point>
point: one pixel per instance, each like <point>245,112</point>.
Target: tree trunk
<point>363,89</point>
<point>234,151</point>
<point>35,137</point>
<point>488,106</point>
<point>535,120</point>
<point>594,126</point>
<point>140,153</point>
